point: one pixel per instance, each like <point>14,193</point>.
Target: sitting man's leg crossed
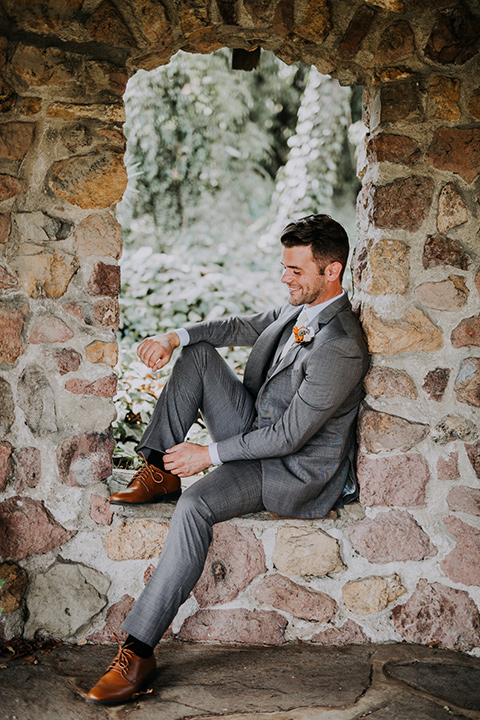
<point>302,387</point>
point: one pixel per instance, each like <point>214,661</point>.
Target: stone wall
<point>402,565</point>
<point>417,284</point>
<point>61,171</point>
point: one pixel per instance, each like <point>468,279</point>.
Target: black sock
<point>138,647</point>
<point>154,457</point>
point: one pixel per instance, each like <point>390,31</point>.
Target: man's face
<point>302,276</point>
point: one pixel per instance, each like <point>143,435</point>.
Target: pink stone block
<point>116,614</point>
<point>9,187</point>
<point>4,228</point>
<point>398,149</point>
<point>452,209</point>
<point>447,468</point>
<point>450,295</point>
<point>403,204</point>
<point>456,150</point>
<point>49,329</point>
<point>389,537</point>
<point>5,464</point>
<point>454,36</point>
<point>389,382</point>
<point>466,333</point>
<point>435,383</point>
<point>464,499</point>
<point>473,454</point>
<point>394,480</point>
<point>462,565</point>
<point>380,431</point>
<point>440,250</point>
<point>103,387</point>
<point>28,468</point>
<point>105,280</point>
<point>235,557</point>
<point>12,314</point>
<point>66,360</point>
<point>101,313</point>
<point>298,600</point>
<point>85,458</point>
<point>256,627</point>
<point>357,30</point>
<point>439,615</point>
<point>105,313</point>
<point>467,382</point>
<point>99,234</point>
<point>28,528</point>
<point>15,140</point>
<point>349,634</point>
<point>101,510</point>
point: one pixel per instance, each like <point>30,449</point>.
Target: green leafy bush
<point>194,128</point>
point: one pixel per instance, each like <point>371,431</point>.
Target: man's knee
<point>196,356</point>
<point>191,502</point>
<point>198,350</point>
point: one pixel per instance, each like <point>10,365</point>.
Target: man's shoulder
<point>344,326</point>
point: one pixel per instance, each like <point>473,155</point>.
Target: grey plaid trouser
<point>200,380</point>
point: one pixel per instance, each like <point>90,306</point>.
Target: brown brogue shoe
<point>149,485</point>
<point>126,677</point>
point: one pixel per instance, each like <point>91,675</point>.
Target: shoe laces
<point>147,474</point>
<point>121,661</point>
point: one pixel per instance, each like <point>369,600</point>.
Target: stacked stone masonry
<point>402,564</point>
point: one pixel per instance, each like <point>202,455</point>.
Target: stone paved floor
<point>292,682</point>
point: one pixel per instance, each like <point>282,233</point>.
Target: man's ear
<point>332,271</point>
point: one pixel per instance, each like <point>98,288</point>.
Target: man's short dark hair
<point>327,238</point>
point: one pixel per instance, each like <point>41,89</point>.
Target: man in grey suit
<point>283,439</point>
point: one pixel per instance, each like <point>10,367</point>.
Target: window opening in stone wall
<point>219,160</point>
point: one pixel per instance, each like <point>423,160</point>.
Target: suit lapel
<point>264,347</point>
<point>321,319</point>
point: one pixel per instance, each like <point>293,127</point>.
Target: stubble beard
<point>306,298</point>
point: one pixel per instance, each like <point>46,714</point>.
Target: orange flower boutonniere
<point>303,334</point>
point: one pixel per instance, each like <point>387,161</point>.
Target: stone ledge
<point>164,511</point>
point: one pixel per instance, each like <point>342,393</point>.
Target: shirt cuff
<point>183,336</point>
<point>214,456</point>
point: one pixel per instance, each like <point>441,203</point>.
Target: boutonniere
<point>303,334</point>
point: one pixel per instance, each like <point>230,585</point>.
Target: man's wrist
<point>173,339</point>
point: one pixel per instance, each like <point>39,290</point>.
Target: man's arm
<point>235,330</point>
<point>156,351</point>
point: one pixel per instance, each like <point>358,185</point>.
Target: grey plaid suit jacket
<point>306,404</point>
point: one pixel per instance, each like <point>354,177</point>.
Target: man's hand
<point>156,351</point>
<point>187,459</point>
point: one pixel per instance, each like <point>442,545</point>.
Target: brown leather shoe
<point>149,485</point>
<point>125,678</point>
